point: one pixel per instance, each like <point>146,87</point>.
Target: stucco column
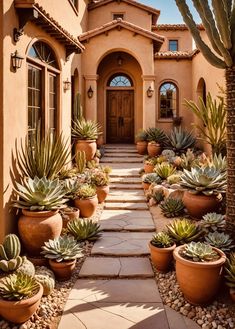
<point>91,103</point>
<point>149,104</point>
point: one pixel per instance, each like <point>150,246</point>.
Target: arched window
<point>168,100</point>
<point>43,83</point>
<point>120,80</point>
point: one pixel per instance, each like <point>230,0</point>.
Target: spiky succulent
<point>172,207</point>
<point>221,241</point>
<point>158,196</point>
<point>141,136</point>
<point>84,229</point>
<point>218,162</point>
<point>162,240</point>
<point>230,271</point>
<point>156,135</point>
<point>213,222</point>
<point>40,194</point>
<point>18,286</point>
<point>183,231</point>
<point>85,129</point>
<point>62,249</point>
<point>188,160</point>
<point>174,179</point>
<point>151,178</point>
<point>86,191</point>
<point>199,252</point>
<point>206,180</point>
<point>164,170</point>
<point>180,140</point>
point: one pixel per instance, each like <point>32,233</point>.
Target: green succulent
<point>168,154</point>
<point>221,241</point>
<point>80,160</point>
<point>179,140</point>
<point>151,178</point>
<point>162,240</point>
<point>206,180</point>
<point>188,160</point>
<point>62,249</point>
<point>218,162</point>
<point>46,278</point>
<point>18,286</point>
<point>84,229</point>
<point>85,129</point>
<point>141,136</point>
<point>156,135</point>
<point>199,252</point>
<point>158,196</point>
<point>11,265</point>
<point>230,271</point>
<point>26,267</point>
<point>86,191</point>
<point>151,161</point>
<point>164,170</point>
<point>10,248</point>
<point>174,179</point>
<point>171,207</point>
<point>213,222</point>
<point>183,231</point>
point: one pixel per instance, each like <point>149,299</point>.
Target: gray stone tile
<point>135,267</point>
<point>126,205</point>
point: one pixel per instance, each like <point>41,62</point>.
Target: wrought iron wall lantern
<point>67,85</point>
<point>90,92</point>
<point>16,60</point>
<point>119,60</point>
<point>150,91</point>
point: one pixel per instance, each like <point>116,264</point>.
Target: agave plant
<point>84,229</point>
<point>206,180</point>
<point>199,252</point>
<point>158,196</point>
<point>183,231</point>
<point>85,129</point>
<point>179,140</point>
<point>213,222</point>
<point>156,135</point>
<point>151,178</point>
<point>40,194</point>
<point>61,249</point>
<point>141,136</point>
<point>217,161</point>
<point>172,207</point>
<point>162,240</point>
<point>221,241</point>
<point>230,271</point>
<point>164,170</point>
<point>18,286</point>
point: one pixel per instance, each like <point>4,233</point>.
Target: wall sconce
<point>150,91</point>
<point>119,60</point>
<point>16,60</point>
<point>67,85</point>
<point>90,92</point>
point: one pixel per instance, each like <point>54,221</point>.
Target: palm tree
<point>218,18</point>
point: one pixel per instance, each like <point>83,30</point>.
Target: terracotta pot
<point>88,146</point>
<point>37,227</point>
<point>62,270</point>
<point>68,214</point>
<point>198,205</point>
<point>154,149</point>
<point>161,257</point>
<point>199,281</point>
<point>141,147</point>
<point>22,310</point>
<point>102,193</point>
<point>145,186</point>
<point>87,207</point>
<point>148,168</point>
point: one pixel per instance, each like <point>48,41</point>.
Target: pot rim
<point>151,246</point>
<point>201,195</point>
<point>85,140</point>
<point>215,263</point>
<point>41,213</point>
<point>90,198</point>
<point>63,263</point>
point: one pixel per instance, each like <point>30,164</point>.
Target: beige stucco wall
<point>184,39</point>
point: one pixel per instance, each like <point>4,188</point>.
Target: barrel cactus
<point>11,265</point>
<point>10,248</point>
<point>47,279</point>
<point>26,267</point>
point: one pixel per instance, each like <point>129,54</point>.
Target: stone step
<point>126,206</point>
<point>125,180</point>
<point>122,244</point>
<point>119,220</point>
<point>125,186</point>
<point>116,267</point>
<point>121,160</point>
<point>121,155</point>
<point>125,199</point>
<point>126,193</point>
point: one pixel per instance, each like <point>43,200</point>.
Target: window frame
<point>173,40</point>
<point>74,6</point>
<point>169,119</point>
<point>113,76</point>
<point>118,13</point>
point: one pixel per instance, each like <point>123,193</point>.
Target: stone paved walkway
<point>116,288</point>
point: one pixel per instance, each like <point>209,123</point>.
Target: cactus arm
<point>3,254</point>
<point>189,21</point>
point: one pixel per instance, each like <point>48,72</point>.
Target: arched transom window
<point>168,100</point>
<point>120,80</point>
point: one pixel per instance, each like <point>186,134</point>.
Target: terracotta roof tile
<point>176,54</point>
<point>172,27</point>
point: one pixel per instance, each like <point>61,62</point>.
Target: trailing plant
<point>199,252</point>
<point>162,240</point>
<point>230,271</point>
<point>80,161</point>
<point>151,178</point>
<point>164,170</point>
<point>213,222</point>
<point>141,136</point>
<point>221,241</point>
<point>156,135</point>
<point>40,194</point>
<point>84,229</point>
<point>171,207</point>
<point>180,140</point>
<point>85,129</point>
<point>183,231</point>
<point>86,191</point>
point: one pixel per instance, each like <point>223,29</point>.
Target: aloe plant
<point>162,240</point>
<point>85,129</point>
<point>199,252</point>
<point>180,140</point>
<point>84,229</point>
<point>184,231</point>
<point>171,207</point>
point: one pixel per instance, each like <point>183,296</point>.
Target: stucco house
<point>131,72</point>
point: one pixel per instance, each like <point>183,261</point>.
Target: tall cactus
<point>80,159</point>
<point>218,18</point>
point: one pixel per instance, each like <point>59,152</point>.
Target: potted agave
<point>149,165</point>
<point>40,201</point>
<point>20,296</point>
<point>199,271</point>
<point>62,253</point>
<point>156,137</point>
<point>148,179</point>
<point>86,200</point>
<point>161,249</point>
<point>141,142</point>
<point>100,178</point>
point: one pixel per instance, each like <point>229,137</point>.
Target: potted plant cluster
<point>141,142</point>
<point>100,178</point>
<point>156,139</point>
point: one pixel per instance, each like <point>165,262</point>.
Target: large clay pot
<point>161,257</point>
<point>199,281</point>
<point>87,207</point>
<point>148,168</point>
<point>68,214</point>
<point>88,146</point>
<point>102,192</point>
<point>37,227</point>
<point>22,310</point>
<point>62,270</point>
<point>154,149</point>
<point>199,205</point>
<point>141,147</point>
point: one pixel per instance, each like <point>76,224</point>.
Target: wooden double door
<point>120,116</point>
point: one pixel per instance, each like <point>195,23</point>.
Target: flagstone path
<point>116,288</point>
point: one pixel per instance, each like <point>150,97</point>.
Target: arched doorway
<point>120,109</point>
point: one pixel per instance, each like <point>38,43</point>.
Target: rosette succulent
<point>213,222</point>
<point>199,252</point>
<point>221,241</point>
<point>183,231</point>
<point>162,240</point>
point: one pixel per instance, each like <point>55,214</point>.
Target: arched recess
<point>201,89</point>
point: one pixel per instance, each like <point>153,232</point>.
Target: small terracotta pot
<point>141,147</point>
<point>69,214</point>
<point>161,257</point>
<point>62,270</point>
<point>37,227</point>
<point>22,310</point>
<point>145,186</point>
<point>102,192</point>
<point>154,149</point>
<point>199,281</point>
<point>199,205</point>
<point>87,207</point>
<point>88,146</point>
<point>148,168</point>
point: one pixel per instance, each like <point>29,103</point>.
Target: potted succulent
<point>161,249</point>
<point>20,296</point>
<point>141,142</point>
<point>68,214</point>
<point>199,271</point>
<point>86,200</point>
<point>40,201</point>
<point>100,178</point>
<point>204,186</point>
<point>62,253</point>
<point>172,207</point>
<point>149,165</point>
<point>156,137</point>
<point>184,231</point>
<point>164,170</point>
<point>230,275</point>
<point>148,179</point>
<point>83,230</point>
